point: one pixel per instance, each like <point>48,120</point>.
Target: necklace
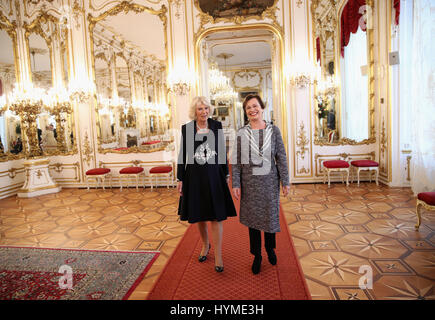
<point>201,130</point>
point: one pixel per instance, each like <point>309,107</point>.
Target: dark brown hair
<point>250,97</point>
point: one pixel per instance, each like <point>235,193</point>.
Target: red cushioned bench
<point>135,172</point>
<point>427,201</point>
<point>99,174</point>
<point>160,171</point>
<point>335,165</point>
<point>151,142</point>
<point>369,165</point>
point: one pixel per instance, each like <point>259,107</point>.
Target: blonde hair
<point>199,101</point>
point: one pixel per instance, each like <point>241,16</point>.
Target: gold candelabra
<point>60,107</point>
<point>28,110</point>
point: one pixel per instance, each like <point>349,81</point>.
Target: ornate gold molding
<point>146,149</point>
<point>269,13</point>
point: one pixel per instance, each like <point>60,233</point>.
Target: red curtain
<point>350,21</point>
<point>319,58</point>
<point>396,6</point>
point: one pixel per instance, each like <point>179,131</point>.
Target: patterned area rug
<point>64,274</point>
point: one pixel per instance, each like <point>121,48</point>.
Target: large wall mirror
<point>133,110</point>
<point>239,62</point>
<point>49,66</point>
<point>344,94</point>
<point>11,146</point>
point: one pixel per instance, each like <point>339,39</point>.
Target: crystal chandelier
<point>217,80</point>
<point>219,84</point>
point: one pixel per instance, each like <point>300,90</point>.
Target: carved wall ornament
<point>247,75</point>
<point>58,167</point>
<point>303,170</point>
<point>12,172</point>
<point>87,150</point>
<point>302,141</point>
<point>383,142</point>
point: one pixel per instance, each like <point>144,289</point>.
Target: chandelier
<point>219,84</point>
<point>217,80</point>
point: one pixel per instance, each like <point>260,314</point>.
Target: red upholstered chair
<point>335,165</point>
<point>99,174</point>
<point>427,201</point>
<point>369,165</point>
<point>161,171</point>
<point>128,172</point>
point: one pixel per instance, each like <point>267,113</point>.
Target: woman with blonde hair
<point>202,174</point>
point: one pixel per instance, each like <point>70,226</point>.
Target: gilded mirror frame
<point>10,28</point>
<point>371,76</point>
<point>126,7</point>
<point>36,27</point>
<point>277,46</point>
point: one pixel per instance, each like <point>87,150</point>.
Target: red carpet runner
<point>184,278</point>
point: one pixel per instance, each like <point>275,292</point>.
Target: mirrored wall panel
<point>130,75</point>
<point>344,105</point>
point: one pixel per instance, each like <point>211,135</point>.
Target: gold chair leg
<point>329,179</point>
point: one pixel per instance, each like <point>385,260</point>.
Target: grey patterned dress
<point>259,163</point>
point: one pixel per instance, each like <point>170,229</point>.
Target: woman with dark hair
<point>202,174</point>
<point>259,164</point>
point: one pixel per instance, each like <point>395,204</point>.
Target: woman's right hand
<point>180,188</point>
<point>236,192</point>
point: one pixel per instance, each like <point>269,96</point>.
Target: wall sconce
<point>81,90</point>
<point>303,75</point>
<point>179,81</point>
<point>302,81</point>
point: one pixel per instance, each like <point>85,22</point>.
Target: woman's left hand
<point>285,190</point>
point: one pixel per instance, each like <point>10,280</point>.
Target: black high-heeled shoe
<point>203,258</point>
<point>219,268</point>
<point>271,256</point>
<point>256,265</point>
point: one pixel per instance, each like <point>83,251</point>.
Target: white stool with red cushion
<point>132,172</point>
<point>99,174</point>
<point>369,165</point>
<point>161,171</point>
<point>427,201</point>
<point>336,165</point>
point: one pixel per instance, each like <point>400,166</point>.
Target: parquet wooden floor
<point>336,231</point>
